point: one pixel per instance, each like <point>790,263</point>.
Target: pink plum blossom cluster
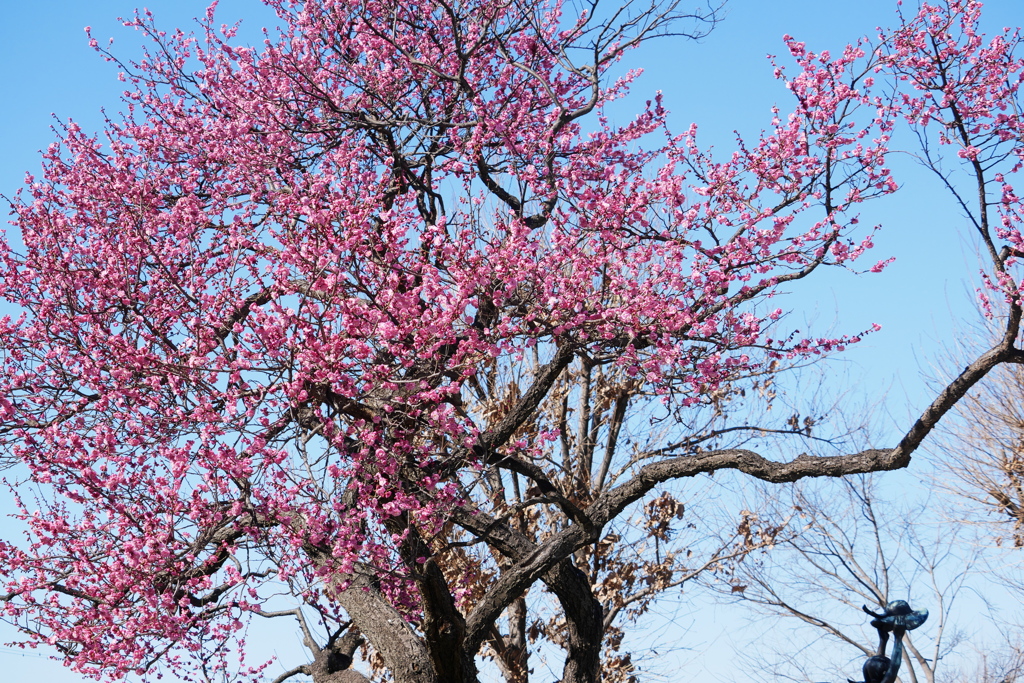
<point>254,306</point>
<point>962,91</point>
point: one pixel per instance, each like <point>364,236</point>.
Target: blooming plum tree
<point>309,319</point>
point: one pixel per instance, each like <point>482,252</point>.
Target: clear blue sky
<point>723,83</point>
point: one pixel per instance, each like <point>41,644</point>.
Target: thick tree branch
<point>402,650</point>
<point>612,502</point>
<point>570,585</point>
<point>545,377</point>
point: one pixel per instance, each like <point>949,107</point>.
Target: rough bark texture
<point>405,653</point>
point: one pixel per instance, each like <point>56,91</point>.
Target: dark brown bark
<point>403,651</point>
<point>333,663</point>
<point>584,621</point>
<point>582,611</point>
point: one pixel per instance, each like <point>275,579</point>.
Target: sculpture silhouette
<point>897,619</point>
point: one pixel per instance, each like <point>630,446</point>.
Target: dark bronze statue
<point>897,619</point>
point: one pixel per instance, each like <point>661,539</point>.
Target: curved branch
<point>583,612</point>
<point>304,669</point>
<point>526,407</point>
<point>614,501</point>
<point>1004,352</point>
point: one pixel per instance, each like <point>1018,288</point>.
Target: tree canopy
<point>386,316</point>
